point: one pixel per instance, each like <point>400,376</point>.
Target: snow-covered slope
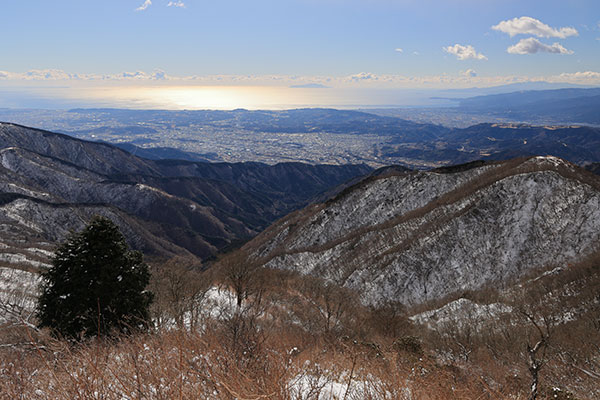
<point>51,183</point>
<point>420,236</point>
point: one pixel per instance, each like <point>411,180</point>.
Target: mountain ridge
<point>384,239</point>
<point>574,105</point>
<point>199,207</point>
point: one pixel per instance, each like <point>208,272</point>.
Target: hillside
<point>573,105</point>
<point>415,237</point>
<point>53,183</point>
<point>441,270</point>
<point>576,144</point>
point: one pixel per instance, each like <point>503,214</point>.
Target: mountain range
<point>53,183</point>
<point>572,105</point>
<point>392,233</point>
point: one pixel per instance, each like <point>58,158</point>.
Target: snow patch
<point>141,186</point>
<point>552,160</point>
<point>461,312</point>
<point>329,385</point>
<point>18,290</point>
<point>15,211</point>
<point>16,258</point>
<point>221,303</point>
<point>41,252</point>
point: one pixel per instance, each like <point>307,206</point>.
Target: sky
<point>179,53</point>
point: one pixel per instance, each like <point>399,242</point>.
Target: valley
<point>346,276</point>
<point>300,200</point>
<point>53,183</point>
<point>327,136</point>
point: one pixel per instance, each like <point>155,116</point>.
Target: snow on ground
<point>217,303</point>
<point>16,258</point>
<point>141,186</point>
<point>220,303</point>
<point>554,271</point>
<point>555,161</point>
<point>306,386</point>
<point>8,187</point>
<point>460,313</point>
<point>499,232</point>
<point>15,279</point>
<point>328,386</point>
<point>16,210</point>
<point>17,290</point>
<point>42,252</point>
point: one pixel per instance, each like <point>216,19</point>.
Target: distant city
<point>417,137</point>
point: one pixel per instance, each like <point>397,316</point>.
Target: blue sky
<point>335,43</point>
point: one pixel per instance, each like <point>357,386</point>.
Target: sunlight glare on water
<point>232,97</point>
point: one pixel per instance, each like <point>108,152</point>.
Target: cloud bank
<point>367,80</point>
<point>532,26</point>
<point>532,46</point>
<point>60,75</point>
<point>464,52</point>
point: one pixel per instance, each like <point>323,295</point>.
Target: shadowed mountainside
<point>54,183</point>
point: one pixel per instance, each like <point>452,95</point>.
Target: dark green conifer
<point>96,286</point>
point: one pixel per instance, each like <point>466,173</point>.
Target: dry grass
<point>297,338</point>
<point>184,365</point>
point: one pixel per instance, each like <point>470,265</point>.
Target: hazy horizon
<point>247,97</point>
<point>298,53</point>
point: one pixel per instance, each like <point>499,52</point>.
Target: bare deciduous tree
<point>240,272</point>
<point>537,352</point>
<point>179,289</point>
<point>331,302</point>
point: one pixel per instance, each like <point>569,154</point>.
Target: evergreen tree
<point>95,285</point>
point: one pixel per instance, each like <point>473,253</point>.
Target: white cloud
<point>532,26</point>
<point>160,75</point>
<point>363,76</point>
<point>60,75</point>
<point>177,3</point>
<point>48,74</point>
<point>147,3</point>
<point>464,52</point>
<point>583,77</point>
<point>399,50</point>
<point>134,75</point>
<point>532,45</point>
<point>470,73</point>
<point>157,75</point>
<point>416,53</point>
